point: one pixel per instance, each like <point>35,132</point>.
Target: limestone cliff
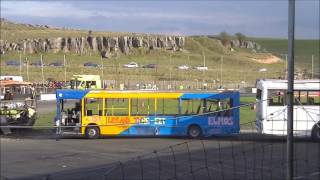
<point>102,44</point>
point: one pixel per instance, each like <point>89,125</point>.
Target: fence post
<point>190,160</point>
<point>205,158</point>
<point>174,162</point>
<point>122,170</point>
<point>159,164</point>
<point>141,166</point>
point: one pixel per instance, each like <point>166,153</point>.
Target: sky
<point>256,18</point>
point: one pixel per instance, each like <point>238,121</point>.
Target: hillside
<point>229,66</point>
<point>304,49</point>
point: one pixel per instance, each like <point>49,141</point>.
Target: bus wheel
<point>194,131</point>
<point>92,132</point>
<point>315,133</point>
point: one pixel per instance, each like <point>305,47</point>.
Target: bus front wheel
<point>315,133</point>
<point>194,131</point>
<point>92,132</point>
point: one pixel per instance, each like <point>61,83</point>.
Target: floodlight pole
<point>65,69</point>
<point>102,74</point>
<point>291,20</point>
<point>42,73</point>
<point>27,69</point>
<point>221,63</point>
<point>20,63</point>
<point>312,66</point>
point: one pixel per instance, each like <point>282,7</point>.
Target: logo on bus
<point>118,120</point>
<point>220,121</point>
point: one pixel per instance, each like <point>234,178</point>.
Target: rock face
<point>102,44</point>
<point>245,44</point>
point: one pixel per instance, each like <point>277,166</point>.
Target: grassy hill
<point>13,32</point>
<point>238,65</point>
<point>304,49</point>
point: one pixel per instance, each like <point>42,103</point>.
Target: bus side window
<point>276,97</point>
<point>93,106</point>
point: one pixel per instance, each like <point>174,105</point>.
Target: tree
<point>241,37</point>
<point>225,38</point>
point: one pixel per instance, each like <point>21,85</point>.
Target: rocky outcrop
<point>102,44</point>
<point>245,44</point>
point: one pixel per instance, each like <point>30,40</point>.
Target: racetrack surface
<point>31,155</point>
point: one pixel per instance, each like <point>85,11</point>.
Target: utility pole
<point>291,21</point>
<point>221,63</point>
<point>170,69</point>
<point>27,68</point>
<point>65,69</point>
<point>102,72</point>
<point>312,66</point>
<point>42,74</point>
<point>286,71</point>
<point>20,70</point>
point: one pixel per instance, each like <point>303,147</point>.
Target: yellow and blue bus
<point>134,113</point>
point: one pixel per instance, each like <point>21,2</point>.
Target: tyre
<point>92,132</point>
<point>194,131</point>
<point>315,133</point>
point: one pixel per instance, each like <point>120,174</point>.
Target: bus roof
<point>308,84</point>
<point>79,94</point>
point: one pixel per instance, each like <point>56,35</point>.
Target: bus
<point>271,109</point>
<point>85,82</point>
<point>145,113</point>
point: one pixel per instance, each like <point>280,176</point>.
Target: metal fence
<point>245,156</point>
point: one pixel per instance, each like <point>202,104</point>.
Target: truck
<point>17,105</point>
<point>86,82</point>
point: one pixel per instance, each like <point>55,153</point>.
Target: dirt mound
<point>270,59</point>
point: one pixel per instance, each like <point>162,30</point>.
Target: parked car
<point>56,64</point>
<point>90,64</point>
<point>12,63</point>
<point>149,66</point>
<point>202,68</point>
<point>36,63</point>
<point>183,67</point>
<point>131,65</point>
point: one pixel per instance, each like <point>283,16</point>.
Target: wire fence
<point>246,156</point>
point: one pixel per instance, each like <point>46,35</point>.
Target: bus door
<point>143,115</point>
<point>117,116</point>
<point>70,115</point>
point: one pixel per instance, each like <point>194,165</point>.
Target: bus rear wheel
<point>315,133</point>
<point>92,132</point>
<point>194,131</point>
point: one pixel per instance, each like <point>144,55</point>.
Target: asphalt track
<point>30,156</point>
